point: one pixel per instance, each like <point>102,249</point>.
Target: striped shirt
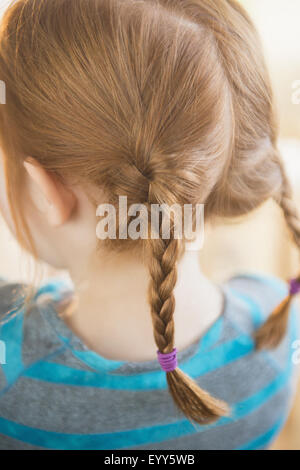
<point>57,394</point>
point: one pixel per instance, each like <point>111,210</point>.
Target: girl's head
<point>161,101</point>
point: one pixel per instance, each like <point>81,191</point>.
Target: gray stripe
<point>2,379</point>
<point>39,339</point>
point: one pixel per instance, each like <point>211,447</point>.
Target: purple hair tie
<point>294,286</point>
<point>168,361</point>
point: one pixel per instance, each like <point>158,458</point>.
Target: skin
<point>111,315</point>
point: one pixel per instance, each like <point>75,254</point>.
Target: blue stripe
<point>146,435</point>
<point>199,364</point>
<point>12,335</point>
<point>212,335</point>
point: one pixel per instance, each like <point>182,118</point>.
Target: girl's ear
<point>56,200</point>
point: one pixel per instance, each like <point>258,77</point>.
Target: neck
<point>113,315</point>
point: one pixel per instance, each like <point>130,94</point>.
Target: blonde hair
<point>162,101</point>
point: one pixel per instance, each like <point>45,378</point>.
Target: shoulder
<point>25,334</point>
<point>261,292</point>
<point>252,297</point>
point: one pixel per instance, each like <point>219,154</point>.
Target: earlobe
<point>60,200</point>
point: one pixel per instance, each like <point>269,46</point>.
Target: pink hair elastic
<point>294,286</point>
<point>168,361</point>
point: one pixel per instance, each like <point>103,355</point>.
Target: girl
<point>161,102</point>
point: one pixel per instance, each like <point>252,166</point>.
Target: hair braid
<point>195,403</point>
<point>163,279</point>
<point>270,334</point>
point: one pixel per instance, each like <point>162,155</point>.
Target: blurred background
<point>259,242</point>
